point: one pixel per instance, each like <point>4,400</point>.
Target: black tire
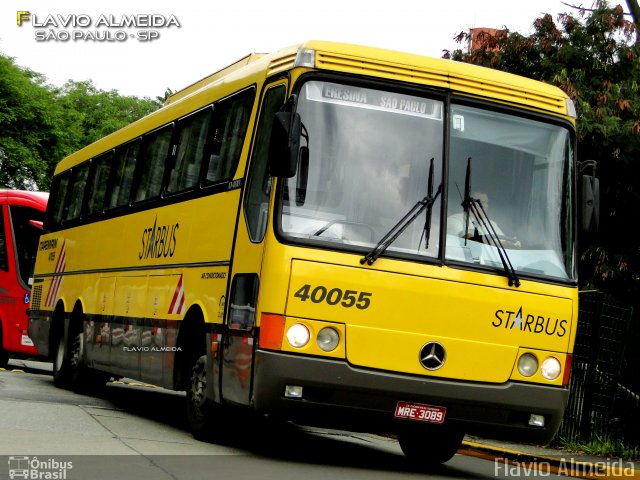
<point>84,379</point>
<point>431,446</point>
<point>69,369</point>
<point>200,410</point>
<point>62,366</point>
<point>4,357</point>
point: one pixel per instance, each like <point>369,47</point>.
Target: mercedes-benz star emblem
<point>432,356</point>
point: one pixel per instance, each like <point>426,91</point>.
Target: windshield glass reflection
<point>519,172</point>
<point>369,157</point>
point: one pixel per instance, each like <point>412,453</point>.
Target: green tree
<point>29,125</point>
<point>41,124</point>
<point>591,55</point>
<point>90,113</point>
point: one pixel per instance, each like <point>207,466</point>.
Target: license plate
<point>420,412</point>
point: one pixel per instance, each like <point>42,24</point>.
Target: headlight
<point>298,335</point>
<point>527,365</point>
<point>551,368</point>
<point>328,339</point>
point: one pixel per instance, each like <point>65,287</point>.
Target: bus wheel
<point>199,407</point>
<point>84,379</point>
<point>430,446</point>
<point>4,358</point>
<point>4,355</point>
<point>62,365</point>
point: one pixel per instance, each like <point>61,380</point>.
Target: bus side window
<point>244,295</point>
<point>78,182</point>
<point>226,135</point>
<point>122,174</point>
<point>26,237</point>
<point>257,196</point>
<point>55,207</point>
<point>4,263</point>
<point>98,179</point>
<point>152,161</point>
<point>192,139</point>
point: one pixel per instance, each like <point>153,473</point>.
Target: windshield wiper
<point>474,206</point>
<point>391,236</point>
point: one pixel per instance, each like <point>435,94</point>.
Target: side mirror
<point>36,223</point>
<point>284,145</point>
<point>590,203</point>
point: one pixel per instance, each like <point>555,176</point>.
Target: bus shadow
<point>275,439</point>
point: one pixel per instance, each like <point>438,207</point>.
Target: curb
<point>519,463</point>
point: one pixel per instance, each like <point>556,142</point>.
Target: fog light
<point>527,364</point>
<point>328,339</point>
<point>298,335</point>
<point>293,391</point>
<point>551,368</point>
<point>536,420</point>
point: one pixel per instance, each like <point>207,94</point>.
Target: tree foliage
<point>40,124</point>
<point>28,126</point>
<point>592,55</point>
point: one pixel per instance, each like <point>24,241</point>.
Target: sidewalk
<point>522,459</point>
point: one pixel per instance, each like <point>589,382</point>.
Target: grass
<point>601,446</point>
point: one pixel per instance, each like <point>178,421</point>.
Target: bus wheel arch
<point>191,333</point>
<point>191,373</point>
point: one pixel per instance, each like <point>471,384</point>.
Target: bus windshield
<point>519,171</point>
<point>369,156</point>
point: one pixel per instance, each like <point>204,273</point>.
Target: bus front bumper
<point>336,394</point>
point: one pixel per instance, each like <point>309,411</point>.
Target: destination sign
<point>374,99</point>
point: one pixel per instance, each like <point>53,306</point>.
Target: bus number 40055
<point>334,296</point>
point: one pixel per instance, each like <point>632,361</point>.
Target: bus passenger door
<point>239,333</point>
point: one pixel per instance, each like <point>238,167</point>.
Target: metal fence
<point>604,399</point>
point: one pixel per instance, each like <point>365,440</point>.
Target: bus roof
<point>461,78</point>
<point>24,198</point>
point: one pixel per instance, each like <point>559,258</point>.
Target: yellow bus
<point>308,234</point>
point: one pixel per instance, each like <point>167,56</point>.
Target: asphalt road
<point>133,431</point>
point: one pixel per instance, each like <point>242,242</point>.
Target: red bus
<point>21,216</point>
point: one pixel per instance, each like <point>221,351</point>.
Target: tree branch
<point>580,7</point>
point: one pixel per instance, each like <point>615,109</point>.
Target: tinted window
<point>230,120</point>
<point>56,203</point>
<point>26,238</point>
<point>4,264</point>
<point>192,144</point>
<point>78,182</point>
<point>98,183</point>
<point>155,149</point>
<point>257,198</point>
<point>123,168</point>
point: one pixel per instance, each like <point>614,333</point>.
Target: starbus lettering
<point>159,241</point>
<point>529,322</point>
